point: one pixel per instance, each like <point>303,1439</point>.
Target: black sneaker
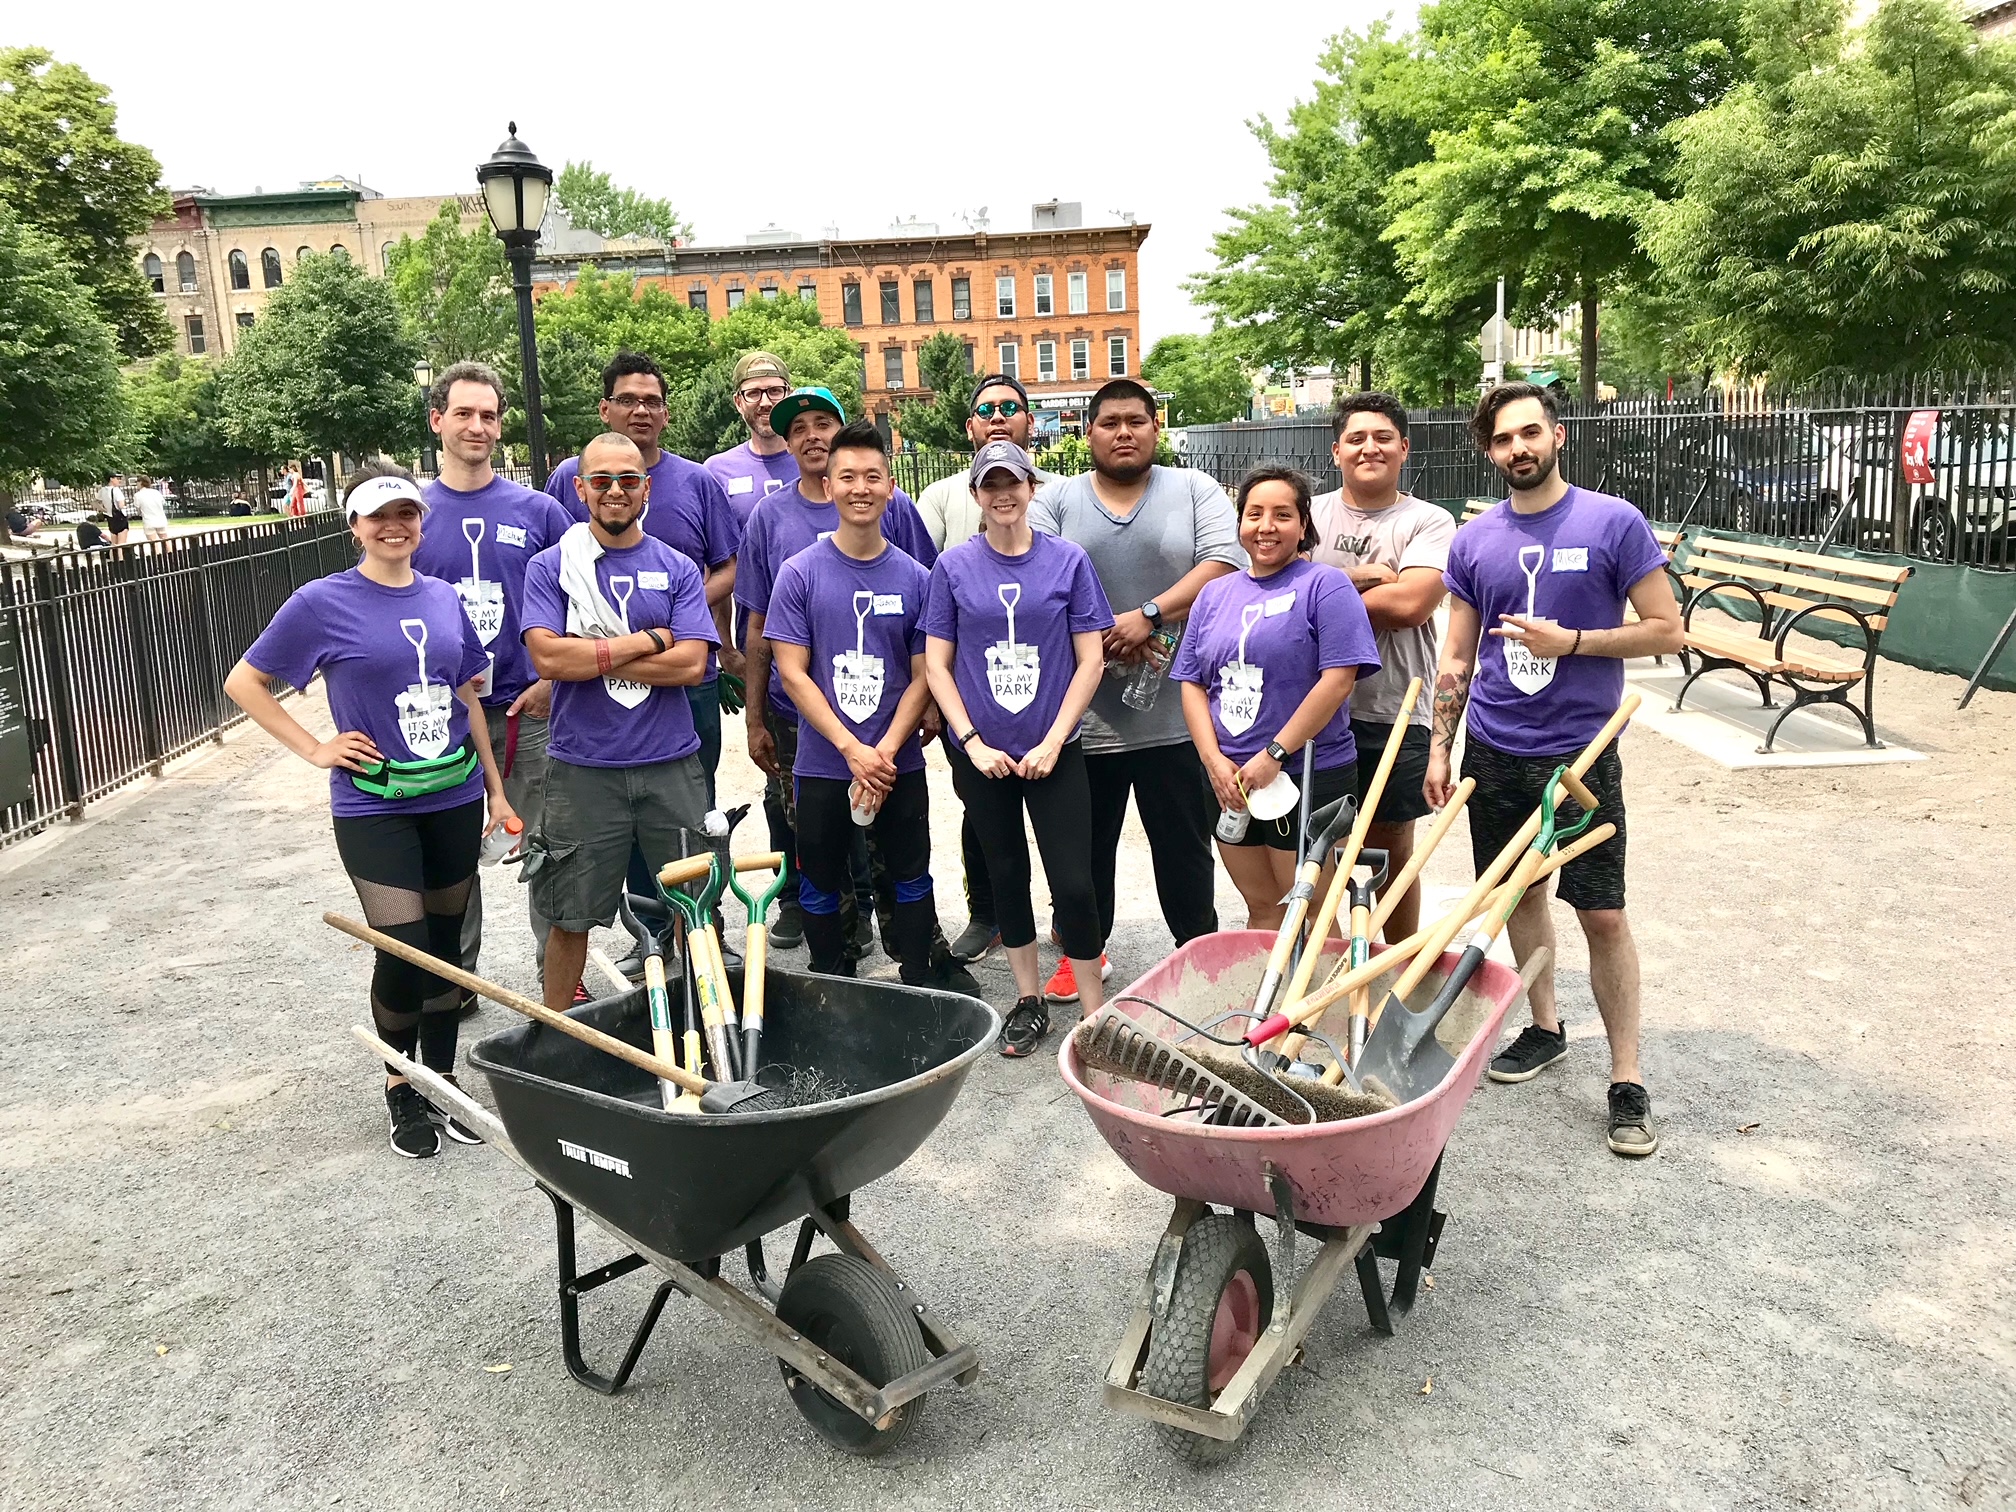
<point>979,937</point>
<point>413,1133</point>
<point>862,945</point>
<point>449,1124</point>
<point>952,977</point>
<point>788,933</point>
<point>632,966</point>
<point>1527,1056</point>
<point>1631,1131</point>
<point>1028,1021</point>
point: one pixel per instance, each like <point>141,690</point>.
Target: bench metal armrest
<point>1694,602</point>
<point>1870,635</point>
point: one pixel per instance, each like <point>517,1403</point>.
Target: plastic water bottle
<point>497,844</point>
<point>1232,825</point>
<point>1145,686</point>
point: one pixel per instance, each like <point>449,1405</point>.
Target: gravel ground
<point>221,1290</point>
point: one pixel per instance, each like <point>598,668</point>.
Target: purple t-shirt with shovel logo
<point>391,659</point>
<point>1011,619</point>
<point>860,622</point>
<point>1573,563</point>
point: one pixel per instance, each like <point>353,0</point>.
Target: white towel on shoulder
<point>589,614</point>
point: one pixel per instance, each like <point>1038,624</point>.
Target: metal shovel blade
<point>1402,1050</point>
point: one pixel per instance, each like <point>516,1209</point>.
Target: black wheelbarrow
<point>858,1347</point>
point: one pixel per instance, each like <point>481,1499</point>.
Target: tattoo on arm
<point>1452,694</point>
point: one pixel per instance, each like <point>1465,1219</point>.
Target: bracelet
<point>1577,647</point>
<point>969,737</point>
<point>657,639</point>
<point>602,659</point>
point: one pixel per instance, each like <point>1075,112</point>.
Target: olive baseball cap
<point>760,365</point>
<point>798,401</point>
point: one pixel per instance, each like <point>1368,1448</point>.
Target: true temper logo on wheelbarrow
<point>594,1158</point>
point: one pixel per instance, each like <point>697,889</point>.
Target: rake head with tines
<point>1112,1042</point>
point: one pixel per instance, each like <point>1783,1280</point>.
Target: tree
<point>65,170</point>
<point>59,368</point>
<point>454,288</point>
<point>328,369</point>
<point>1851,209</point>
<point>594,203</point>
<point>940,421</point>
<point>704,419</point>
<point>178,427</point>
<point>1205,383</point>
<point>1548,123</point>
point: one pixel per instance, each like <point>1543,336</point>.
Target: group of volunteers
<point>562,659</point>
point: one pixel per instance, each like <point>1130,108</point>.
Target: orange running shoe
<point>1063,984</point>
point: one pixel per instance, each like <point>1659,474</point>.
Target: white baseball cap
<point>373,494</point>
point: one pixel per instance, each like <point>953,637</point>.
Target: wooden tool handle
<point>761,861</point>
<point>517,1002</point>
<point>693,868</point>
<point>1580,792</point>
<point>755,959</point>
<point>1396,887</point>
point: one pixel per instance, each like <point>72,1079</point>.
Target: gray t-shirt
<point>1410,532</point>
<point>1181,519</point>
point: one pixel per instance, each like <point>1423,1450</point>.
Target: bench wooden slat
<point>1754,651</point>
<point>1876,622</point>
<point>1874,571</point>
<point>1854,592</point>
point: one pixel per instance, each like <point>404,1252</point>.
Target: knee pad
<point>913,889</point>
<point>813,901</point>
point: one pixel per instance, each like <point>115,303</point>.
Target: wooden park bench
<point>1788,589</point>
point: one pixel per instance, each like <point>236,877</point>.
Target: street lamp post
<point>515,185</point>
<point>423,374</point>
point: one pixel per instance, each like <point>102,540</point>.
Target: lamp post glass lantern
<point>515,187</point>
<point>423,374</point>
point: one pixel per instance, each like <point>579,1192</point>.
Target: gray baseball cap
<point>998,456</point>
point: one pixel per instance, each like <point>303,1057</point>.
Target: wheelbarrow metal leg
<point>1410,1239</point>
<point>573,1284</point>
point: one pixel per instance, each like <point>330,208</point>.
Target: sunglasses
<point>1007,409</point>
<point>603,482</point>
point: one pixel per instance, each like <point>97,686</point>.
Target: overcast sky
<point>739,113</point>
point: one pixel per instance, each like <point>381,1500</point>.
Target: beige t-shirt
<point>951,513</point>
<point>1410,532</point>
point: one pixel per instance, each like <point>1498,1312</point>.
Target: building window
<point>185,273</point>
<point>1004,296</point>
<point>1046,362</point>
<point>1116,288</point>
<point>241,270</point>
<point>269,268</point>
<point>1074,291</point>
<point>962,299</point>
<point>850,303</point>
<point>385,256</point>
<point>244,320</point>
<point>892,367</point>
<point>1046,303</point>
<point>734,299</point>
<point>697,299</point>
<point>768,291</point>
<point>339,250</point>
<point>926,304</point>
<point>1010,365</point>
<point>193,324</point>
<point>1116,356</point>
<point>892,302</point>
<point>150,265</point>
<point>1081,354</point>
<point>861,351</point>
<point>969,359</point>
<point>809,293</point>
<point>302,254</point>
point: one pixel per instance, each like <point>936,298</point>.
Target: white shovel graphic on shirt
<point>482,601</point>
<point>625,692</point>
<point>1013,671</point>
<point>424,706</point>
<point>857,676</point>
<point>1529,673</point>
<point>1239,681</point>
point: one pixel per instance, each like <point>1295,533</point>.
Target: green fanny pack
<point>416,779</point>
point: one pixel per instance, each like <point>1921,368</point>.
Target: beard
<point>1533,474</point>
<point>1126,472</point>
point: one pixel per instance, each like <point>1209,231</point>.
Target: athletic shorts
<point>1403,801</point>
<point>1279,834</point>
<point>1509,789</point>
<point>592,817</point>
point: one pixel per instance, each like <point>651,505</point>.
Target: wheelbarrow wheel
<point>1218,1308</point>
<point>846,1307</point>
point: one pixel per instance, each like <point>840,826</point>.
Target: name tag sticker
<point>1281,603</point>
<point>888,603</point>
<point>1571,558</point>
<point>771,485</point>
<point>510,535</point>
<point>654,580</point>
<point>741,485</point>
<point>825,535</point>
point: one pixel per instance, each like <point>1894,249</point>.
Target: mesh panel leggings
<point>412,873</point>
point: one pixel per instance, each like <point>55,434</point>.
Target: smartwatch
<point>969,737</point>
<point>1276,750</point>
<point>1153,611</point>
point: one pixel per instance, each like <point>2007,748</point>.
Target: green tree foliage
<point>1205,383</point>
<point>60,392</point>
<point>329,368</point>
<point>178,427</point>
<point>1853,207</point>
<point>940,421</point>
<point>65,170</point>
<point>594,203</point>
<point>454,288</point>
<point>704,420</point>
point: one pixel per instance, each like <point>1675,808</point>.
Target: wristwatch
<point>969,737</point>
<point>1153,611</point>
<point>1276,750</point>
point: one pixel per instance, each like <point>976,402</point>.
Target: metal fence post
<point>143,648</point>
<point>213,685</point>
<point>62,712</point>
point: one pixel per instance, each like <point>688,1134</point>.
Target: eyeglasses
<point>604,482</point>
<point>645,402</point>
<point>758,396</point>
<point>1007,409</point>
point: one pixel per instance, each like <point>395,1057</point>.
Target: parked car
<point>1967,512</point>
<point>1785,478</point>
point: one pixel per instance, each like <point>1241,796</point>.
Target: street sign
<point>1495,342</point>
<point>1918,433</point>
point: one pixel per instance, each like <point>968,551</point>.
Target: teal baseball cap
<point>798,401</point>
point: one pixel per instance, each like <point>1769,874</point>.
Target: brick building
<point>1057,305</point>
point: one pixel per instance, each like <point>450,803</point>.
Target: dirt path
<point>220,1289</point>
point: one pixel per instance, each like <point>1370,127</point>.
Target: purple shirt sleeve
<point>752,566</point>
<point>560,488</point>
<point>690,618</point>
<point>1343,630</point>
<point>544,608</point>
<point>906,529</point>
<point>1189,663</point>
<point>721,530</point>
<point>1637,554</point>
<point>556,524</point>
<point>941,616</point>
<point>1456,576</point>
<point>290,647</point>
<point>790,618</point>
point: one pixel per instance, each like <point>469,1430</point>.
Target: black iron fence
<point>112,662</point>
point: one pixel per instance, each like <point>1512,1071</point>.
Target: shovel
<point>756,958</point>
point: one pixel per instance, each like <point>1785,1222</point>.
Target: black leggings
<point>902,843</point>
<point>1060,810</point>
<point>412,874</point>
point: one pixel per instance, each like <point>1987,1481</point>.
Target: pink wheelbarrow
<point>1219,1317</point>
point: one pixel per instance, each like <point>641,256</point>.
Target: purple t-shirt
<point>1257,646</point>
<point>391,659</point>
<point>860,622</point>
<point>481,543</point>
<point>1011,620</point>
<point>612,721</point>
<point>784,525</point>
<point>1575,564</point>
<point>749,478</point>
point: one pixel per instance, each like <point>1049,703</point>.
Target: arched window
<point>241,271</point>
<point>385,256</point>
<point>339,250</point>
<point>185,273</point>
<point>302,254</point>
<point>150,266</point>
<point>269,267</point>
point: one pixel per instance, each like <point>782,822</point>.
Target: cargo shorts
<point>593,815</point>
